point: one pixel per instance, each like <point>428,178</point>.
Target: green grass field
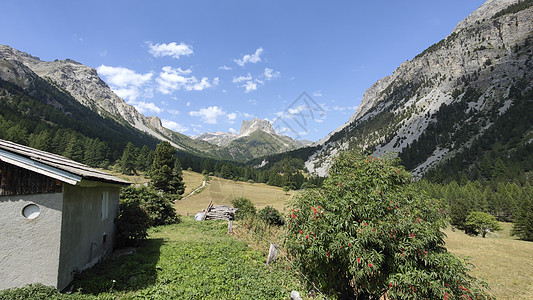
<point>190,260</point>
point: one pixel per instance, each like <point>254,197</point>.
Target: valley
<point>444,144</point>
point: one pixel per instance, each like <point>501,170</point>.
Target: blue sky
<point>204,66</point>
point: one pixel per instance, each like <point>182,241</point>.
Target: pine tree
<point>128,160</point>
<point>164,174</point>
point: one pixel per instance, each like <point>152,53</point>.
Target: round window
<point>31,211</point>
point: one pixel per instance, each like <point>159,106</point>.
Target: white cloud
<point>174,111</point>
<point>232,116</point>
<point>345,108</point>
<point>188,104</point>
<point>248,116</point>
<point>171,79</point>
<point>249,86</point>
<point>242,78</point>
<point>232,130</point>
<point>250,58</point>
<point>271,74</point>
<point>122,77</point>
<point>173,125</point>
<point>253,101</point>
<point>317,93</point>
<point>208,115</point>
<point>171,49</point>
<point>124,82</point>
<point>144,107</point>
<point>224,67</point>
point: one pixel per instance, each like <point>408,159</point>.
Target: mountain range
<point>84,85</point>
<point>456,108</point>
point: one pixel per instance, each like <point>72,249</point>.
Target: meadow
<point>505,263</point>
<point>222,191</point>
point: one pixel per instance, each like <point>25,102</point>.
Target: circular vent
<point>31,211</point>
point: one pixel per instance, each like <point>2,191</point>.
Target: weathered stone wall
<point>29,248</point>
<point>82,239</point>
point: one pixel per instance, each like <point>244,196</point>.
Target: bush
<point>271,216</point>
<point>159,209</point>
<point>368,232</point>
<point>132,223</point>
<point>245,208</point>
<point>479,222</point>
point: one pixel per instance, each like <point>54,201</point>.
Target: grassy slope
<point>505,263</point>
<point>222,191</point>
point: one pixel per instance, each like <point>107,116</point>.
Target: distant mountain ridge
<point>256,136</point>
<point>450,98</point>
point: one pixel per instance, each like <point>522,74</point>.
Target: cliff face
<point>84,84</point>
<point>472,70</point>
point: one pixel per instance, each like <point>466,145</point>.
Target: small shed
<point>56,216</point>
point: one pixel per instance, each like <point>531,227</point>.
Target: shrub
<point>132,222</point>
<point>368,232</point>
<point>271,216</point>
<point>245,208</point>
<point>479,222</point>
<point>159,209</point>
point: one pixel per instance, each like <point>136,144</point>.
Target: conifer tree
<point>129,157</point>
<point>164,174</point>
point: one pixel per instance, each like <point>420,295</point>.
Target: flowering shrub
<point>368,232</point>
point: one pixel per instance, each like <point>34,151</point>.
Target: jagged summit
<point>485,11</point>
<point>249,127</point>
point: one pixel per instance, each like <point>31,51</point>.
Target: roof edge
<point>29,164</point>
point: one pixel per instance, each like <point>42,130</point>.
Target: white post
<point>272,253</point>
<point>230,227</point>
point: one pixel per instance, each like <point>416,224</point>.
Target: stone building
<point>56,216</point>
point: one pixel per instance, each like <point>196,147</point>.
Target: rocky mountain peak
<point>485,11</point>
<point>248,127</point>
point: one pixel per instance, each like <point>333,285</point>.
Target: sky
<point>205,66</point>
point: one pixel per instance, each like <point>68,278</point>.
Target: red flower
<point>300,231</point>
<point>365,223</point>
<point>373,229</point>
<point>390,284</point>
<point>306,237</point>
<point>327,253</point>
<point>339,183</point>
<point>358,260</point>
<point>370,265</point>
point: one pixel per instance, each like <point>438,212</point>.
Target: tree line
<point>504,200</point>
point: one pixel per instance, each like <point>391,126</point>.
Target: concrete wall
<point>82,241</point>
<point>29,248</point>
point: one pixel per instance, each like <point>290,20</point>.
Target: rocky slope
<point>85,85</point>
<point>436,105</point>
<point>217,138</point>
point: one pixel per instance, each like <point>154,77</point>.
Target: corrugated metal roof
<point>52,165</point>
